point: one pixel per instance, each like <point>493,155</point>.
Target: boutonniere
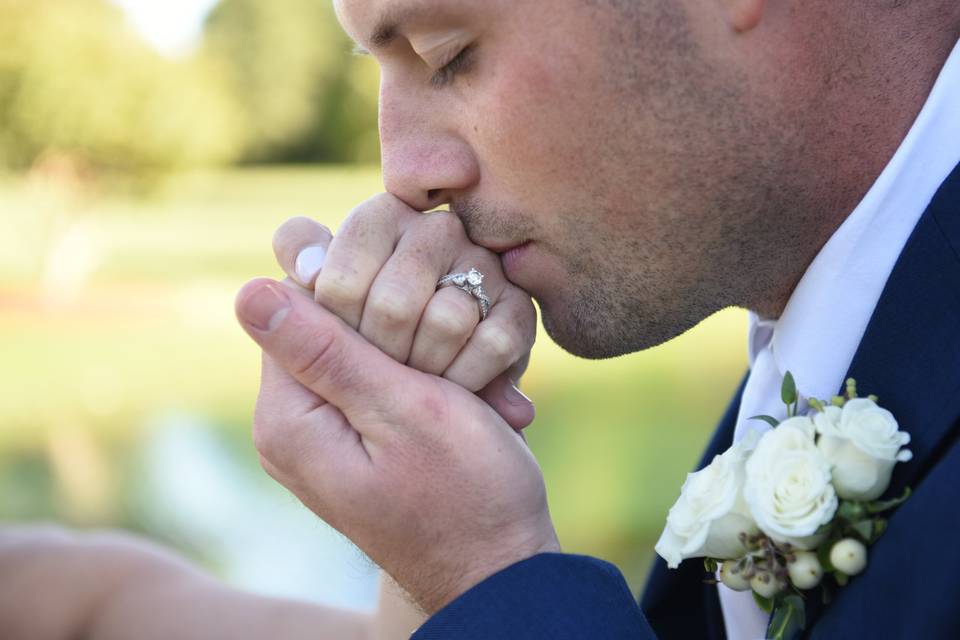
<point>795,508</point>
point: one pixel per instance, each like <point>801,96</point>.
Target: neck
<point>864,101</point>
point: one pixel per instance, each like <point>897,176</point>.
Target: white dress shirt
<point>821,326</point>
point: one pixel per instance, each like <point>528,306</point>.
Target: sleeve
<point>550,595</point>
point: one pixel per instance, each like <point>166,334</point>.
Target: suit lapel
<point>909,356</point>
<point>910,353</point>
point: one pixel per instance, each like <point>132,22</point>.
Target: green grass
<point>152,329</point>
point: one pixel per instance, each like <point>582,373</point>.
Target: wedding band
<point>471,282</point>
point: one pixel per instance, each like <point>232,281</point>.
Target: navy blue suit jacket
<point>910,358</point>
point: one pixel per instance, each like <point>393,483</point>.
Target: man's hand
<point>420,473</point>
<point>379,276</point>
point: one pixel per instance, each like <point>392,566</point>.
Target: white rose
<point>710,514</point>
<point>788,484</point>
<point>862,441</point>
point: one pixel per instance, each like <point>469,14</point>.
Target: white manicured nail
<point>309,263</point>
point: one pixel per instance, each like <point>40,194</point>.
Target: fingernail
<point>516,397</point>
<point>309,263</point>
<point>266,308</point>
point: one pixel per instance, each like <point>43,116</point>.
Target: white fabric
<point>821,326</point>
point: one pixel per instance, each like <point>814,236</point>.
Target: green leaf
<point>788,390</point>
<point>879,506</point>
<point>764,603</point>
<point>851,510</point>
<point>823,555</point>
<point>770,420</point>
<point>824,529</point>
<point>710,565</point>
<point>789,619</point>
<point>863,529</point>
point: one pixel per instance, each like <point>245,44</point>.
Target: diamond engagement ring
<point>472,283</point>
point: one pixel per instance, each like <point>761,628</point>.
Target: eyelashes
<point>448,72</point>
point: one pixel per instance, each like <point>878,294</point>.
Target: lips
<point>517,248</point>
<point>502,247</point>
<point>497,246</point>
<point>482,225</point>
<point>513,259</point>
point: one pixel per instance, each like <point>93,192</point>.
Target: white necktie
<point>743,619</point>
<point>761,395</point>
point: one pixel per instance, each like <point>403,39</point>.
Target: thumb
<point>507,400</point>
<point>325,355</point>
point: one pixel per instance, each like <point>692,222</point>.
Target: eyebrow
<point>382,36</point>
<point>388,27</point>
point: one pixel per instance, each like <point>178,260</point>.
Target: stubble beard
<point>615,295</point>
<point>617,299</point>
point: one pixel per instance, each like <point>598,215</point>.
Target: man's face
<point>593,143</point>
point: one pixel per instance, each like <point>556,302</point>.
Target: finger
<point>497,343</point>
<point>408,280</point>
<point>507,400</point>
<point>333,361</point>
<point>363,244</point>
<point>300,245</point>
<point>452,315</point>
<point>446,325</point>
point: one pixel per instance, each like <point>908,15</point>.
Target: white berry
<point>805,571</point>
<point>765,585</point>
<point>735,581</point>
<point>849,556</point>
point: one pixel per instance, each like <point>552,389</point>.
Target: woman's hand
<point>379,275</point>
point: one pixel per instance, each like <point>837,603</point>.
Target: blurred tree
<point>303,97</point>
<point>76,82</point>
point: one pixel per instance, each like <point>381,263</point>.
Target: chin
<point>589,338</point>
<point>597,332</point>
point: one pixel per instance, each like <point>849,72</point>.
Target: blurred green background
<point>140,184</point>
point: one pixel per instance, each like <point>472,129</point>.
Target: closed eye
<point>448,72</point>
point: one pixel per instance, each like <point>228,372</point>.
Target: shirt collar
<point>824,320</point>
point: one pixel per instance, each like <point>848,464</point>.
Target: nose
<point>425,160</point>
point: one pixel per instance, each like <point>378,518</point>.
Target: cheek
<point>532,132</point>
<point>552,137</point>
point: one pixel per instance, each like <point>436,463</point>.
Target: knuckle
<point>376,211</point>
<point>266,465</point>
<point>523,314</point>
<point>362,224</point>
<point>528,322</point>
<point>486,260</point>
<point>445,224</point>
<point>499,342</point>
<point>450,321</point>
<point>391,307</point>
<point>387,201</point>
<point>265,439</point>
<point>334,290</point>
